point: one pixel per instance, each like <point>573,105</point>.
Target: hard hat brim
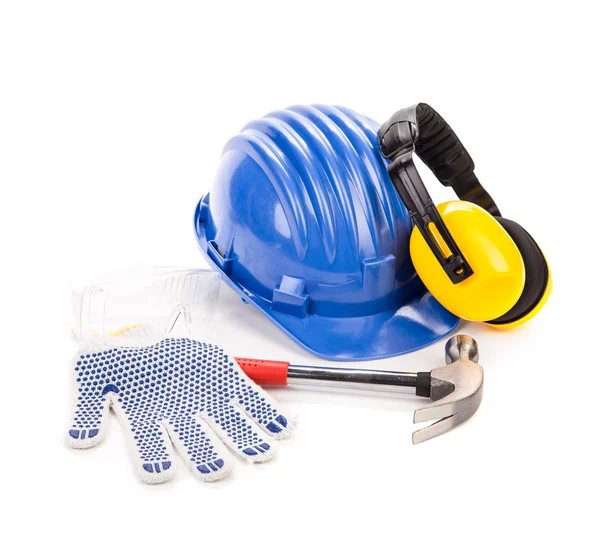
<point>416,324</point>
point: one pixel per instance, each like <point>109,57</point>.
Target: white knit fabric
<point>178,393</point>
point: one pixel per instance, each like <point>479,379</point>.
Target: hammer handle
<point>276,373</point>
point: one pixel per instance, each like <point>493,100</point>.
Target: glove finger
<point>206,457</point>
<point>238,432</point>
<point>149,443</point>
<point>90,409</point>
<point>262,408</point>
<point>151,451</point>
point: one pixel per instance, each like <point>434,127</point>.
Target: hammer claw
<point>433,430</point>
<point>436,411</point>
<point>456,389</point>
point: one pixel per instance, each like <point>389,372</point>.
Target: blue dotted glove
<point>180,391</point>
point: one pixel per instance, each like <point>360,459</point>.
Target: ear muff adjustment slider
<point>397,142</point>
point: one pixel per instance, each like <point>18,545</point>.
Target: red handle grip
<point>265,372</point>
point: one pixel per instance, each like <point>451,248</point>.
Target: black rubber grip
<point>423,387</point>
<point>440,149</point>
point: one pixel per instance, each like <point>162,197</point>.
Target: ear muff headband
<point>422,130</point>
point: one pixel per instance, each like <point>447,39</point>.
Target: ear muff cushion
<point>536,273</point>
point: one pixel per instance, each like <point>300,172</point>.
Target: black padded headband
<point>421,129</point>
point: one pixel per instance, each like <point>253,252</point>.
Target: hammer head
<point>456,388</point>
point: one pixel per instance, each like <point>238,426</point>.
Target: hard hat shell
<point>304,223</point>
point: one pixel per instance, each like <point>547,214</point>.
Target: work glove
<point>177,392</point>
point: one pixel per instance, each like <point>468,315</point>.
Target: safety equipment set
<point>319,219</point>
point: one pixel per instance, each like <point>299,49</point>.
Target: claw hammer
<point>456,388</point>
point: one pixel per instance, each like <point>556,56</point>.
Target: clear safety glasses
<point>146,307</point>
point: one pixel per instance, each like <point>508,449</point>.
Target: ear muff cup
<point>537,273</point>
<point>498,276</point>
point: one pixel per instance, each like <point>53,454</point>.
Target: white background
<point>112,118</point>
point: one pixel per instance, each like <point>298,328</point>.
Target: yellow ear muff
<point>532,313</point>
<point>538,279</point>
<point>499,272</point>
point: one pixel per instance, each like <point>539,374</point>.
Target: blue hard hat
<point>304,223</point>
